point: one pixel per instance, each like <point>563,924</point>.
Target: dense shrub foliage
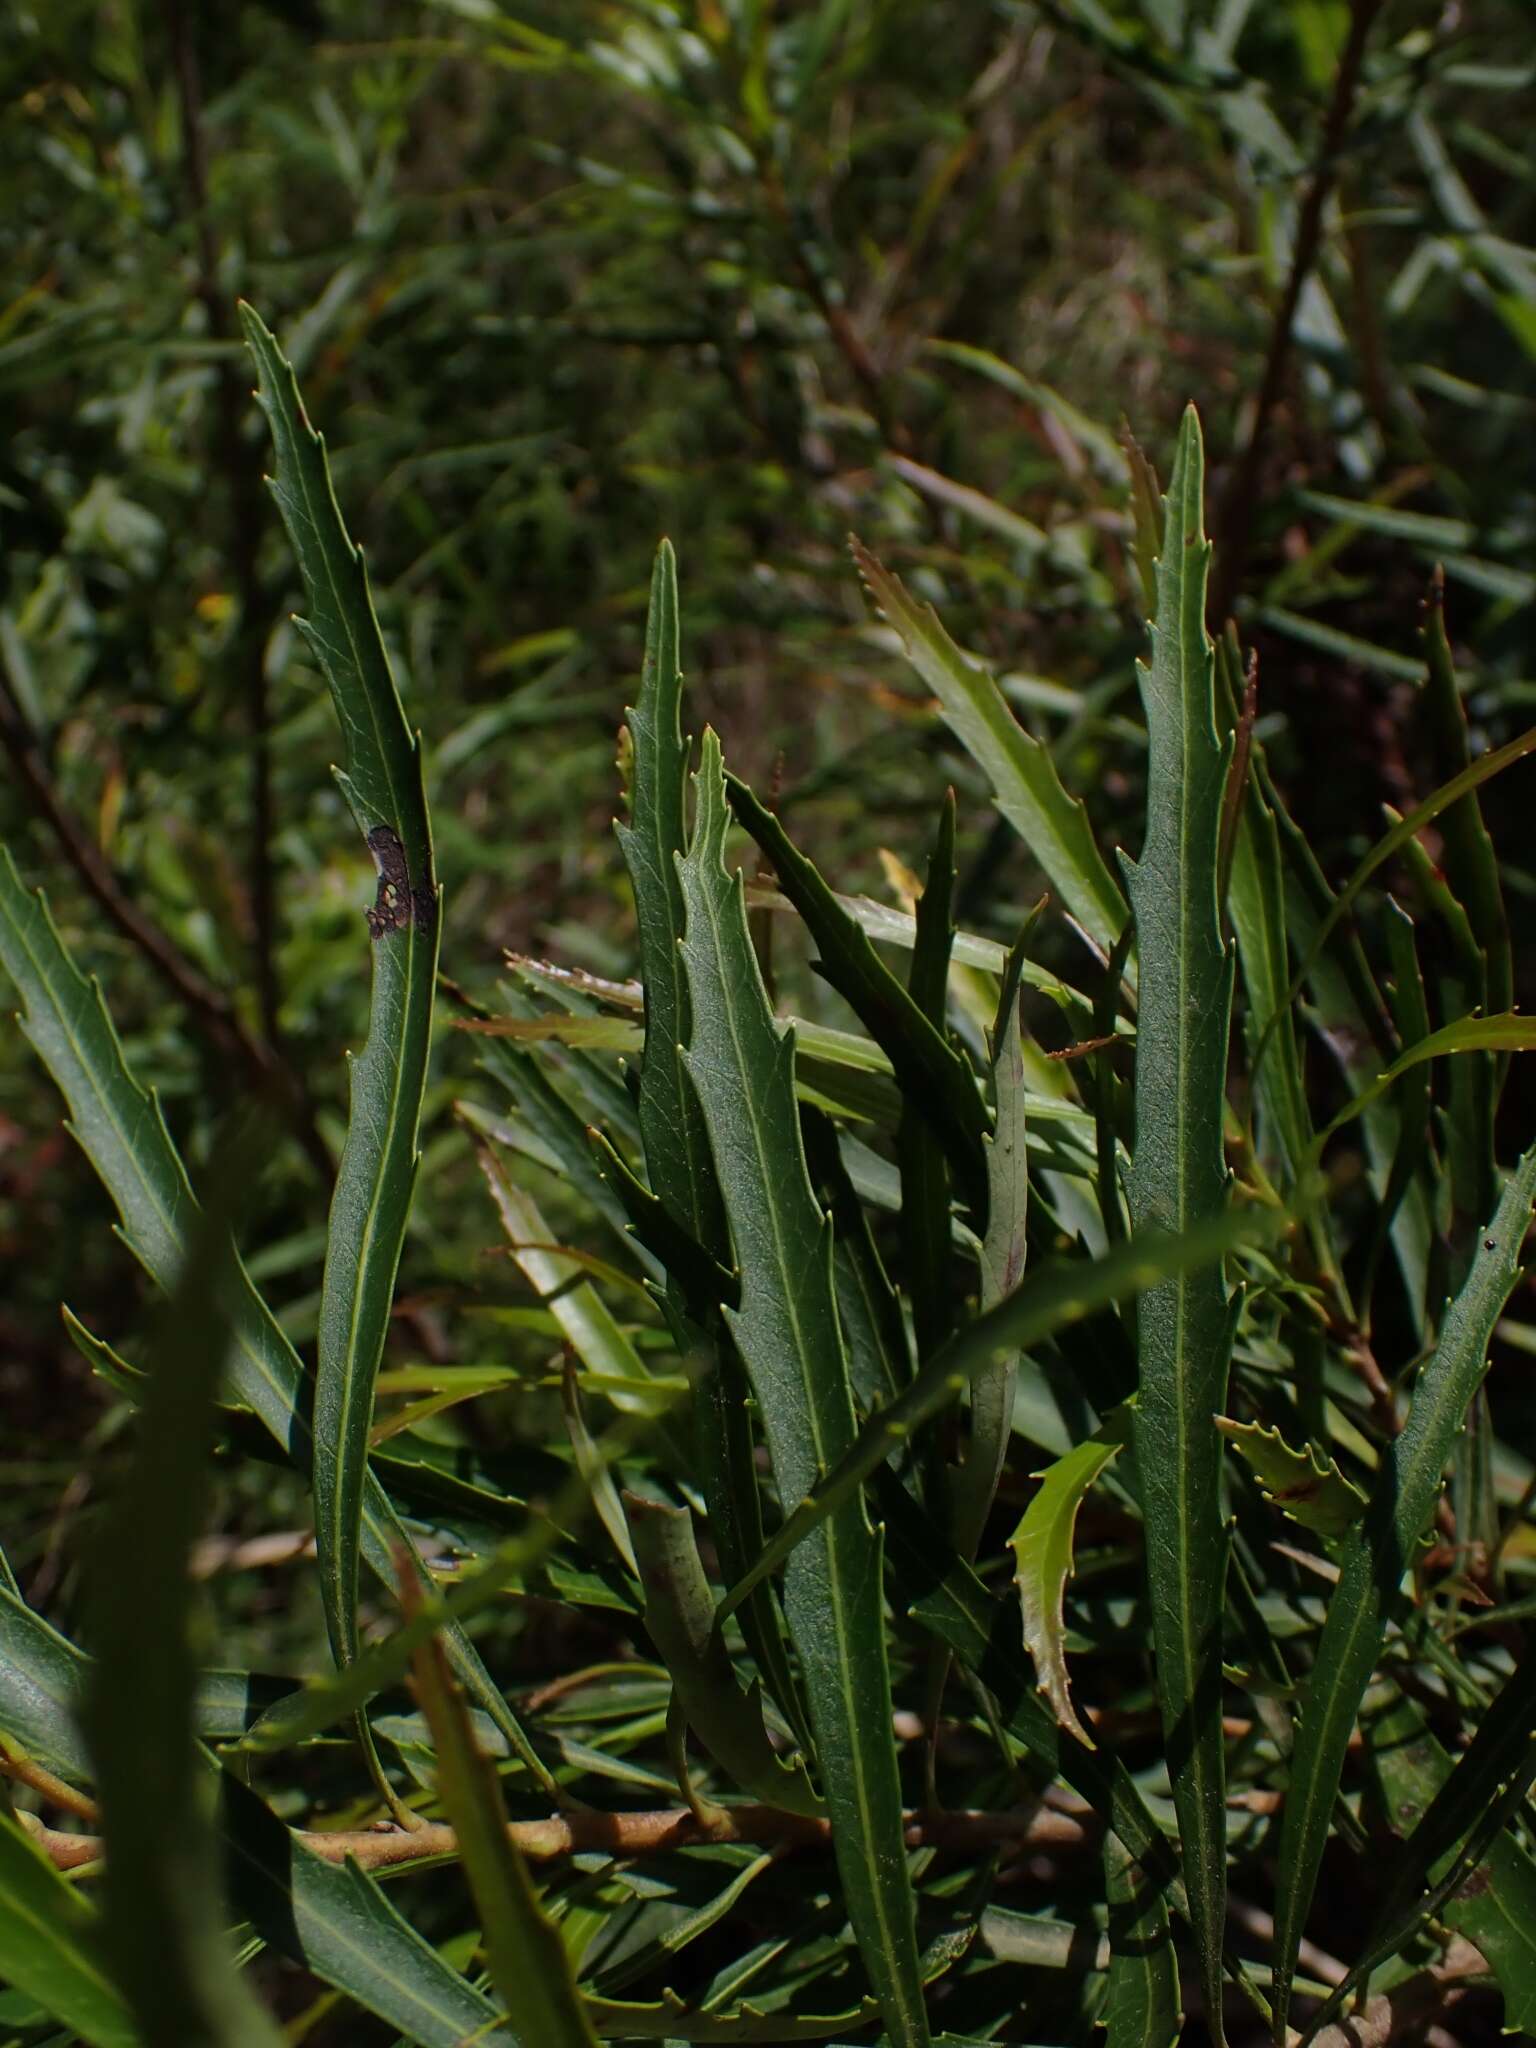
<point>867,1413</point>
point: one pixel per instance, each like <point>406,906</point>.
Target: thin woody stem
<point>641,1834</point>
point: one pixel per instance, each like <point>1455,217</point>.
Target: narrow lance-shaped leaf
<point>335,1921</point>
<point>50,1946</point>
<point>164,1919</point>
<point>1376,1558</point>
<point>1141,2007</point>
<point>919,1154</point>
<point>1001,1258</point>
<point>1178,1179</point>
<point>1025,785</point>
<point>119,1127</point>
<point>680,1615</point>
<point>527,1959</point>
<point>675,1140</point>
<point>932,1073</point>
<point>1055,1294</point>
<point>383,785</point>
<point>1042,1546</point>
<point>787,1332</point>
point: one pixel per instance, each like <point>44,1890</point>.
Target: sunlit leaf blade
<point>1506,1033</point>
<point>932,1072</point>
<point>1025,785</point>
<point>164,1924</point>
<point>50,1946</point>
<point>377,1175</point>
<point>527,1959</point>
<point>1375,1558</point>
<point>1042,1548</point>
<point>1141,2006</point>
<point>1178,1180</point>
<point>1302,1484</point>
<point>334,1920</point>
<point>119,1127</point>
<point>787,1332</point>
<point>680,1616</point>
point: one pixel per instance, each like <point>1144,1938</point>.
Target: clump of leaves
<point>839,1271</point>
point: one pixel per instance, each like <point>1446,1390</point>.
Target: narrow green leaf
<point>41,1675</point>
<point>163,1918</point>
<point>1471,865</point>
<point>527,1959</point>
<point>50,1945</point>
<point>1178,1180</point>
<point>383,785</point>
<point>1141,2008</point>
<point>1001,1257</point>
<point>919,1154</point>
<point>1302,1484</point>
<point>672,1130</point>
<point>1507,1033</point>
<point>119,1127</point>
<point>1438,1804</point>
<point>1023,776</point>
<point>1056,1294</point>
<point>1374,1562</point>
<point>948,1599</point>
<point>1482,770</point>
<point>1042,1548</point>
<point>680,1615</point>
<point>787,1332</point>
<point>931,1072</point>
<point>333,1919</point>
<point>671,1122</point>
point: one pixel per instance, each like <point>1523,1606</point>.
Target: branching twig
<point>1233,526</point>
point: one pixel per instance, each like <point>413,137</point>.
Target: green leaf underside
<point>119,1127</point>
<point>376,1178</point>
<point>1025,785</point>
<point>1042,1548</point>
<point>1375,1557</point>
<point>1303,1484</point>
<point>527,1959</point>
<point>788,1335</point>
<point>1178,1179</point>
<point>50,1945</point>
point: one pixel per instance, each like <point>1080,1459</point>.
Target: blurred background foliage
<point>559,277</point>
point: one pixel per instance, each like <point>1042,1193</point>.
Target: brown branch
<point>641,1834</point>
<point>23,1771</point>
<point>1233,526</point>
